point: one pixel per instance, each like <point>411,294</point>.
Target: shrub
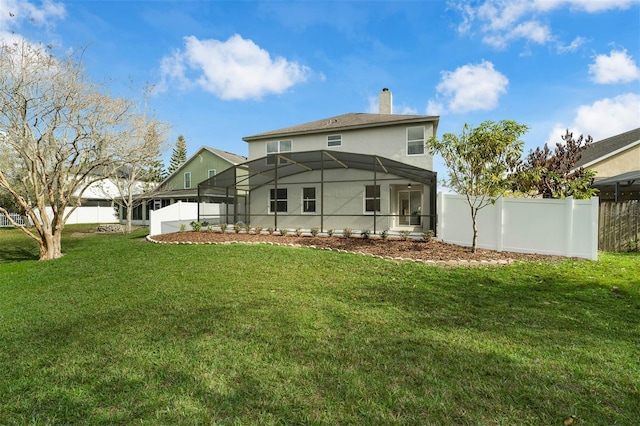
<point>282,231</point>
<point>384,234</point>
<point>298,232</point>
<point>223,227</point>
<point>209,228</point>
<point>330,232</point>
<point>405,234</point>
<point>347,232</point>
<point>183,227</point>
<point>258,230</point>
<point>270,230</point>
<point>315,230</point>
<point>427,235</point>
<point>365,233</point>
<point>196,226</point>
<point>237,227</point>
<point>247,228</point>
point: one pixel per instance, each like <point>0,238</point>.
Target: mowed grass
<point>121,331</point>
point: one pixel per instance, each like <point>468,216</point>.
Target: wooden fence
<point>619,226</point>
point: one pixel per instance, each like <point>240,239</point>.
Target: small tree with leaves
<point>553,174</point>
<point>479,162</point>
<point>178,155</point>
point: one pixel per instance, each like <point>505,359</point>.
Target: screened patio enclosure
<point>325,190</point>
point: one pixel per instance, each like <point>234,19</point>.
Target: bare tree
<point>137,173</point>
<point>58,133</point>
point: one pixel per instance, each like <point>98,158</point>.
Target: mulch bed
<point>418,250</point>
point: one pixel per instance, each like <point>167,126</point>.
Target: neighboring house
<point>359,171</point>
<point>182,184</point>
<point>616,161</point>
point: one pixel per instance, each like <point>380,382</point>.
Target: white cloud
<point>602,119</point>
<point>573,46</point>
<point>14,12</point>
<point>470,88</point>
<point>435,108</point>
<point>504,21</point>
<point>232,69</point>
<point>618,67</point>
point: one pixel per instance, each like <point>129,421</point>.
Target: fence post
<point>440,226</point>
<point>568,208</point>
<point>499,206</point>
<point>595,206</point>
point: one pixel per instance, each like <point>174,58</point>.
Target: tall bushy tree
<point>178,155</point>
<point>479,161</point>
<point>553,174</point>
<point>60,134</point>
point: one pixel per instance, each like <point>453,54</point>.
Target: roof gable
<point>601,150</point>
<point>232,159</point>
<point>344,122</point>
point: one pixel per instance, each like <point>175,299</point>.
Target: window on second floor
<point>211,173</point>
<point>187,180</point>
<point>277,147</point>
<point>415,140</point>
<point>334,140</point>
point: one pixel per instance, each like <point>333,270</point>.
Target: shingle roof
<point>602,149</point>
<point>343,122</point>
<point>229,156</point>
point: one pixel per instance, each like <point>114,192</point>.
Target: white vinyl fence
<point>5,222</point>
<point>526,225</point>
<point>90,214</point>
<point>169,219</point>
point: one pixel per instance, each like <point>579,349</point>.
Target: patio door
<point>410,203</point>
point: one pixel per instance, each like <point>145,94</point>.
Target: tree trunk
<point>474,244</point>
<point>50,245</point>
<point>129,218</point>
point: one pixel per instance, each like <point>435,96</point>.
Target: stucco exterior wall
<point>387,141</point>
<point>344,202</point>
<point>626,161</point>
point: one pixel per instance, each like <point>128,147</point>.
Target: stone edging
<point>468,263</point>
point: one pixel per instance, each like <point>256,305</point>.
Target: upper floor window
<point>211,173</point>
<point>415,140</point>
<point>334,140</point>
<point>187,180</point>
<point>277,147</point>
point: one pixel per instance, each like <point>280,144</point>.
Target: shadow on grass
<point>250,361</point>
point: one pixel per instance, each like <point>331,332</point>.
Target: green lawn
<point>121,331</point>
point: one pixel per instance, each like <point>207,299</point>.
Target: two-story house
<point>616,161</point>
<point>182,184</point>
<point>359,171</point>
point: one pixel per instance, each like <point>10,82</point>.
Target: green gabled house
<point>182,184</point>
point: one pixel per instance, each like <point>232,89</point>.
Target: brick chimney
<point>385,102</point>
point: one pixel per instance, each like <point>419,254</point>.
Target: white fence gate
<point>526,225</point>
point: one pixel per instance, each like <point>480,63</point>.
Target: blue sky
<point>227,69</point>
